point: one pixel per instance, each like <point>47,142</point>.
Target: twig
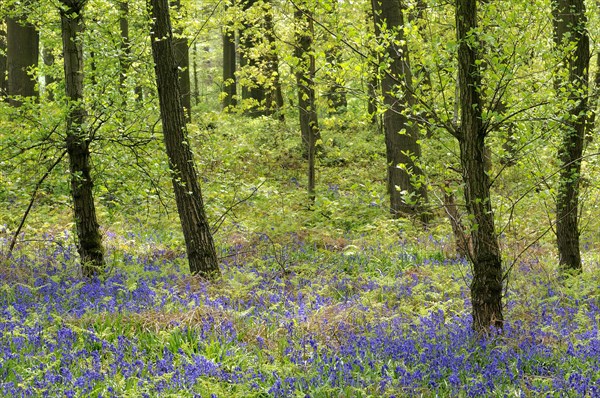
<point>13,242</point>
<point>221,219</point>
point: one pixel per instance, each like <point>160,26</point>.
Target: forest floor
<point>335,300</point>
<point>287,319</point>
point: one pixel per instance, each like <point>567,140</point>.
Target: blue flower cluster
<point>376,322</point>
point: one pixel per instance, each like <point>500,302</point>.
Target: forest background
<point>398,198</point>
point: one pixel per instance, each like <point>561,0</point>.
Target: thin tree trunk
<point>229,68</point>
<point>125,55</point>
<point>372,88</point>
<point>406,182</point>
<point>92,59</point>
<point>245,44</point>
<point>593,103</point>
<point>22,55</point>
<point>486,287</point>
<point>90,247</point>
<point>199,243</point>
<point>3,66</point>
<point>196,90</point>
<point>274,94</point>
<point>461,238</point>
<point>305,74</point>
<point>373,83</point>
<point>125,60</point>
<point>335,90</point>
<point>49,79</point>
<point>570,29</point>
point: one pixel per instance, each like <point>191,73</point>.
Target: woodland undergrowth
<point>330,300</point>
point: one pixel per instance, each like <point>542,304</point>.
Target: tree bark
<point>3,66</point>
<point>373,83</point>
<point>461,238</point>
<point>182,58</point>
<point>196,91</point>
<point>199,243</point>
<point>49,78</point>
<point>229,68</point>
<point>22,55</point>
<point>182,55</point>
<point>372,88</point>
<point>125,54</point>
<point>593,103</point>
<point>570,30</point>
<point>274,94</point>
<point>78,141</point>
<point>406,183</point>
<point>305,74</point>
<point>486,287</point>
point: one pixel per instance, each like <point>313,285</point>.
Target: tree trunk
<point>3,66</point>
<point>486,287</point>
<point>125,54</point>
<point>406,182</point>
<point>49,79</point>
<point>22,55</point>
<point>570,31</point>
<point>78,141</point>
<point>261,87</point>
<point>199,243</point>
<point>252,91</point>
<point>373,83</point>
<point>593,103</point>
<point>246,43</point>
<point>461,239</point>
<point>182,58</point>
<point>274,94</point>
<point>305,74</point>
<point>336,92</point>
<point>372,88</point>
<point>229,68</point>
<point>196,91</point>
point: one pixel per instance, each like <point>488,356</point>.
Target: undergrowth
<point>333,299</point>
<point>364,320</point>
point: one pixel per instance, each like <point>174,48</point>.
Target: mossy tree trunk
<point>78,142</point>
<point>406,182</point>
<point>573,46</point>
<point>305,80</point>
<point>229,89</point>
<point>486,287</point>
<point>3,80</point>
<point>199,243</point>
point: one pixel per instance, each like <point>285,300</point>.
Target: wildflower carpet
<point>369,321</point>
